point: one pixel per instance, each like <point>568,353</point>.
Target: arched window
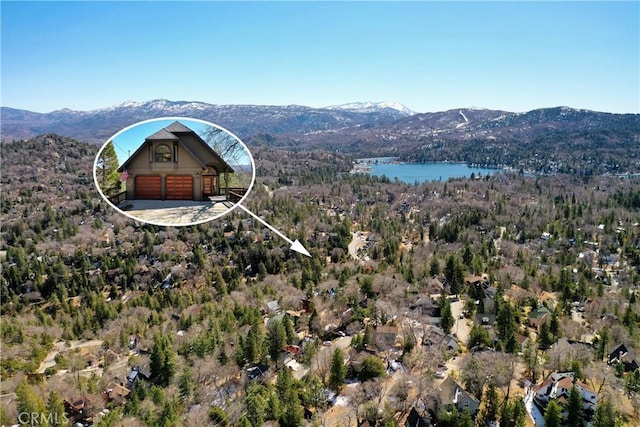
<point>162,153</point>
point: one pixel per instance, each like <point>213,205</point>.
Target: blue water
<point>424,172</point>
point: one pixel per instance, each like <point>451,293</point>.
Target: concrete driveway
<point>174,212</point>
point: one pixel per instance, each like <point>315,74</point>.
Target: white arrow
<point>295,246</point>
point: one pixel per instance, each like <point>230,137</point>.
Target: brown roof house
<point>116,393</point>
<point>175,164</point>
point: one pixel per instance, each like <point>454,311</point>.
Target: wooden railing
<point>116,199</point>
<point>236,193</point>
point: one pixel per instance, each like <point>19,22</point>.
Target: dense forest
<point>221,324</point>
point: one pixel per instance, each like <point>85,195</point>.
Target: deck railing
<point>116,199</point>
<point>236,193</point>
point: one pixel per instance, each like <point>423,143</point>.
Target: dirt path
<point>357,242</point>
<point>61,347</point>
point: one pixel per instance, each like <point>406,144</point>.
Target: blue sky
<point>430,56</point>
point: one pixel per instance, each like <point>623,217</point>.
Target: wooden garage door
<point>179,187</point>
<point>148,187</point>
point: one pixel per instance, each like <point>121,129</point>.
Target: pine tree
<point>553,415</point>
<point>219,282</point>
<point>292,338</point>
<point>313,394</point>
<point>506,415</point>
<point>519,418</point>
<point>465,419</point>
<point>446,318</point>
<point>575,366</point>
<point>554,326</point>
<point>244,422</point>
<point>506,325</point>
<point>293,410</point>
<point>219,417</point>
<point>490,412</point>
<point>478,336</point>
<point>467,256</point>
<point>454,273</point>
<point>632,383</point>
<point>186,384</point>
<point>544,338</point>
<point>253,344</point>
<point>574,408</point>
<point>434,267</point>
<point>107,170</point>
<point>162,360</point>
<point>275,407</point>
<point>338,371</point>
<point>28,401</point>
<point>605,415</point>
<point>55,409</point>
<point>371,367</point>
<point>256,404</point>
<point>514,414</point>
<point>284,382</point>
<point>277,336</point>
<point>168,416</point>
<point>223,358</point>
<point>448,418</point>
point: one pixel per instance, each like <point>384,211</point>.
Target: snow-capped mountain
<point>243,120</point>
<point>159,104</point>
<point>370,107</point>
<point>367,128</point>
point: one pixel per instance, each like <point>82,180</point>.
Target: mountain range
<point>244,120</point>
<point>367,128</point>
<point>481,125</point>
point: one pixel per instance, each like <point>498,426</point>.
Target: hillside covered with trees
<point>411,291</point>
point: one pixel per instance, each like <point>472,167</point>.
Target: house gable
<point>557,386</point>
<point>538,316</point>
<point>174,162</point>
<point>621,354</point>
<point>451,393</point>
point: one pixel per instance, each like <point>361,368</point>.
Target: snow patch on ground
<point>342,401</point>
<point>533,410</point>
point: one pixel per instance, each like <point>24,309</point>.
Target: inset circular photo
<point>174,171</point>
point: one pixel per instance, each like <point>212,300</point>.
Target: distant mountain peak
<point>129,104</point>
<point>245,120</point>
<point>368,107</point>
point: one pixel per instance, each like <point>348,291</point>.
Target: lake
<point>424,172</point>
